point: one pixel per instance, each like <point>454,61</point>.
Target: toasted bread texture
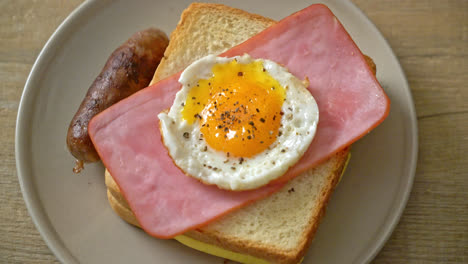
<point>279,228</point>
<point>206,29</point>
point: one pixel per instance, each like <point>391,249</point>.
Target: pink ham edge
<point>337,129</point>
<point>141,166</point>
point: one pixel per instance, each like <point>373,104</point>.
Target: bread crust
<point>189,18</point>
<point>276,254</point>
<point>217,238</point>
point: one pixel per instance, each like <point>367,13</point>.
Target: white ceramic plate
<point>71,211</point>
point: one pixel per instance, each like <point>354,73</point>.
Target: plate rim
<point>27,184</point>
<point>388,226</point>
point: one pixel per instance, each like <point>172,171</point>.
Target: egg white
<point>193,155</point>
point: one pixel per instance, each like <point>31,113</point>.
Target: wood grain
<point>25,27</point>
<point>429,37</point>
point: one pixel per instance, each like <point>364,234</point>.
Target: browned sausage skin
<point>129,69</point>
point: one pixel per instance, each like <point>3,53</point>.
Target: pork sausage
<point>129,69</point>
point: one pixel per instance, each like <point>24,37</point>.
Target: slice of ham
<point>165,201</point>
<point>310,43</point>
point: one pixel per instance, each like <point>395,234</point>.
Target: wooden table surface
<point>430,38</point>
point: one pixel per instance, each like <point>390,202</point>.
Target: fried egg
<point>238,122</point>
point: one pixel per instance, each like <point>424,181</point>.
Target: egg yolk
<point>239,108</point>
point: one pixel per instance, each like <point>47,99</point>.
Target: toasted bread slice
<point>206,29</point>
<point>277,229</point>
